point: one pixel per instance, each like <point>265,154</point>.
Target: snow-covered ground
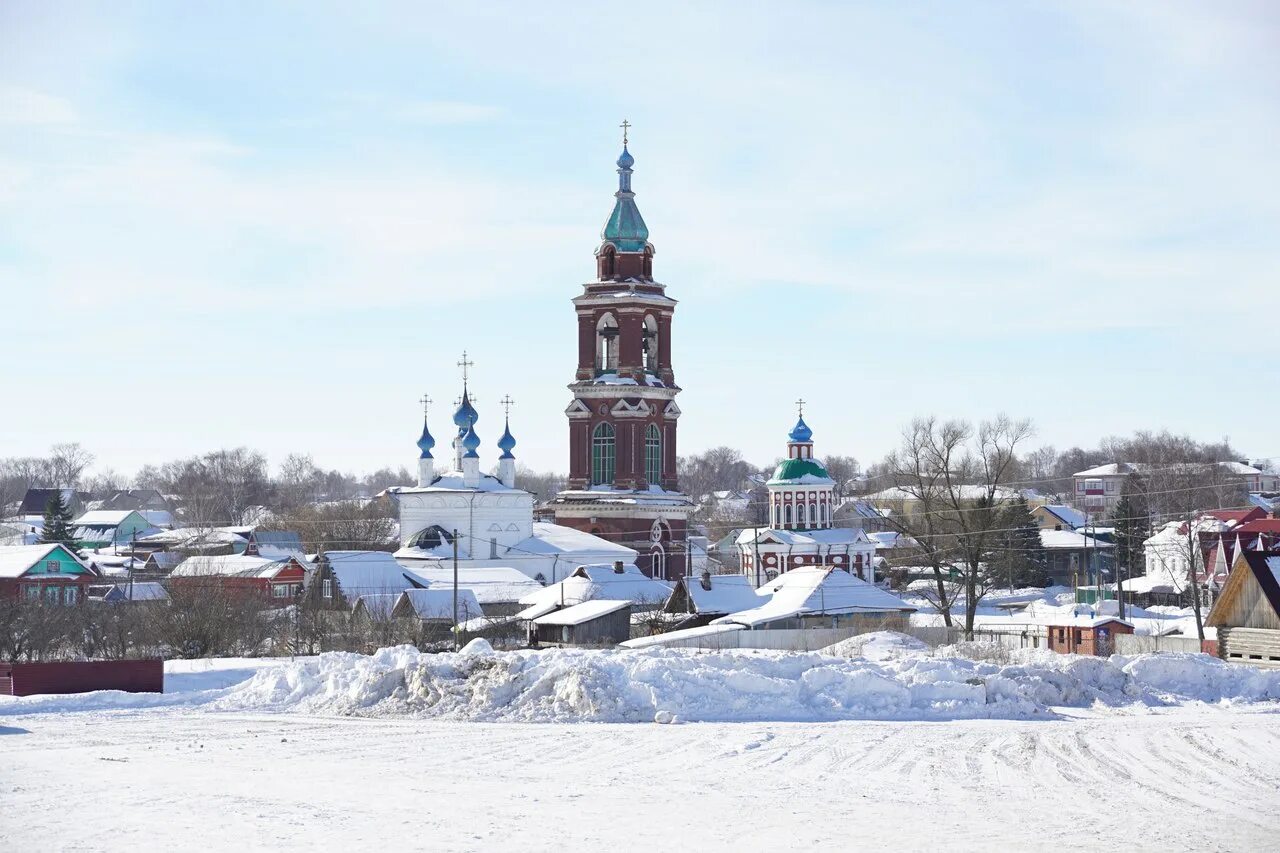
<point>329,752</point>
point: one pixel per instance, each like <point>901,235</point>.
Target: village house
<point>109,528</point>
<point>697,599</point>
<point>497,588</point>
<point>35,501</point>
<point>1097,490</point>
<point>426,615</point>
<point>53,574</point>
<point>1086,634</point>
<point>339,578</point>
<point>1076,559</point>
<point>129,592</point>
<point>1058,517</point>
<point>618,582</point>
<point>1247,612</point>
<point>276,581</point>
<point>822,597</point>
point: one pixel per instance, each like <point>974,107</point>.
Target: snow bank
<point>877,645</point>
<point>564,685</point>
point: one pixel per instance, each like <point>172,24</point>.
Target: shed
<point>137,592</point>
<point>599,622</point>
<point>1087,635</point>
<point>1247,612</point>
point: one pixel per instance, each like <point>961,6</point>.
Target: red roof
<point>1260,525</point>
<point>1237,515</point>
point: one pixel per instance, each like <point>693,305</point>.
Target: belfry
<point>623,418</point>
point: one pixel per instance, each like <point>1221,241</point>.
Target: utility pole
<point>1192,548</point>
<point>455,589</point>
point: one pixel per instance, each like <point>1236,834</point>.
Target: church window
<point>603,454</point>
<point>607,265</point>
<point>787,516</point>
<point>649,344</point>
<point>658,562</point>
<point>607,344</point>
<point>653,455</point>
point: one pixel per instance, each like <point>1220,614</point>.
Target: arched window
<point>658,562</point>
<point>608,266</point>
<point>786,515</point>
<point>603,454</point>
<point>653,455</point>
<point>649,345</point>
<point>813,516</point>
<point>647,265</point>
<point>607,344</point>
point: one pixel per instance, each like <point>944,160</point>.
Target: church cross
<point>507,403</point>
<point>800,405</point>
<point>465,365</point>
<point>626,125</point>
<point>426,404</point>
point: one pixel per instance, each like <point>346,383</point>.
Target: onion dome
<point>471,442</point>
<point>466,415</point>
<point>507,443</point>
<point>801,433</point>
<point>800,472</point>
<point>625,228</point>
<point>426,442</point>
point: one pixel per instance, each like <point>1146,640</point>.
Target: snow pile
<point>877,645</point>
<point>671,685</point>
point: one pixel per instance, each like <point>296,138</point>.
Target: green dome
<point>792,470</point>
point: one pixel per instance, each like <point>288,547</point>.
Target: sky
<point>279,225</point>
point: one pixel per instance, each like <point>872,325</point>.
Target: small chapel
<point>623,418</point>
<point>801,531</point>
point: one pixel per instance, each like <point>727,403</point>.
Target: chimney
<point>617,567</point>
<point>426,472</point>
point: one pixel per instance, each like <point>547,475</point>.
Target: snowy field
<point>1151,753</point>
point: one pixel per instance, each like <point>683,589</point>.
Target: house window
<point>70,595</point>
<point>1111,485</point>
<point>326,589</point>
<point>1080,486</point>
<point>52,567</point>
<point>51,594</point>
<point>603,454</point>
<point>281,590</point>
<point>653,454</point>
<point>33,593</point>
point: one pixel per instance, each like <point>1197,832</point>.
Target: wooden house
<point>420,615</point>
<point>340,578</point>
<point>1087,635</point>
<point>49,573</point>
<point>106,528</point>
<point>599,622</point>
<point>1247,612</point>
<point>35,501</point>
<point>278,581</point>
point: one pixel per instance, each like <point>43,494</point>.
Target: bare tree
<point>951,476</point>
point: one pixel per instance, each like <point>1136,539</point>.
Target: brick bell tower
<point>623,418</point>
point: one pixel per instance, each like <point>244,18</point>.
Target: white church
<point>491,516</point>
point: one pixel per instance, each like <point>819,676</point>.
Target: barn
<point>599,622</point>
<point>1247,612</point>
<point>1087,635</point>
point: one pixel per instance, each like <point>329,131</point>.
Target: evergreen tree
<point>1019,559</point>
<point>1133,527</point>
<point>57,522</point>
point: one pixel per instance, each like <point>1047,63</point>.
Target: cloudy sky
<point>222,224</point>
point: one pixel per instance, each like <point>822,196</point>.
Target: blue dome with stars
<point>801,432</point>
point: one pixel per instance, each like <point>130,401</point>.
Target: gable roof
<point>584,612</point>
<point>727,593</point>
<point>17,560</point>
<point>814,590</point>
<point>586,583</point>
<point>230,566</point>
<point>1069,516</point>
<point>360,573</point>
<point>490,584</point>
<point>1263,568</point>
<point>35,500</point>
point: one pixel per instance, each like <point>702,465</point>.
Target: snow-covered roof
<point>962,492</point>
<point>816,590</point>
<point>228,565</point>
<point>366,572</point>
<point>1066,514</point>
<point>437,603</point>
<point>104,517</point>
<point>1068,539</point>
<point>891,539</point>
<point>136,591</point>
<point>17,560</point>
<point>490,584</point>
<point>673,637</point>
<point>197,537</point>
<point>832,537</point>
<point>552,539</point>
<point>728,593</point>
<point>588,583</point>
<point>454,481</point>
<point>584,612</point>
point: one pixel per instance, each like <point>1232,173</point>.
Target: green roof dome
<point>800,470</point>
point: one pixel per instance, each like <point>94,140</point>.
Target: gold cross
<point>626,125</point>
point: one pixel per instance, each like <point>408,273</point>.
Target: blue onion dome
<point>471,442</point>
<point>466,415</point>
<point>801,432</point>
<point>426,442</point>
<point>626,161</point>
<point>506,444</point>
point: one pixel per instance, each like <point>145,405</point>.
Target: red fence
<point>131,676</point>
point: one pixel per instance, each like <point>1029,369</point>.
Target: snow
<point>877,645</point>
<point>592,582</point>
<point>813,590</point>
<point>16,560</point>
<point>274,767</point>
<point>584,612</point>
<point>491,584</point>
<point>728,594</point>
<point>230,565</point>
<point>366,572</point>
<point>1069,539</point>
